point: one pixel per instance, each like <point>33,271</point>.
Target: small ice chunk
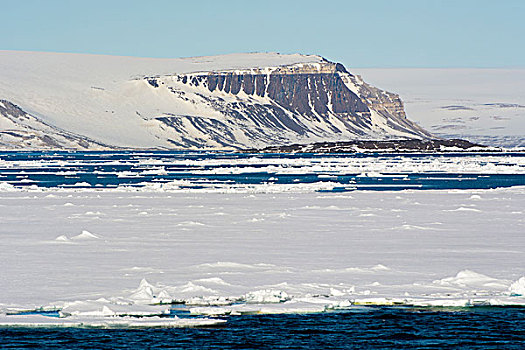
<point>85,235</point>
<point>144,291</point>
<point>255,219</point>
<point>210,311</point>
<point>415,227</point>
<point>380,267</point>
<point>6,187</point>
<point>292,308</point>
<point>343,304</point>
<point>62,238</point>
<point>466,278</point>
<point>465,209</point>
<point>518,287</point>
<point>350,290</point>
<point>443,302</point>
<point>192,288</point>
<point>104,311</point>
<point>380,301</point>
<point>191,223</point>
<point>370,174</point>
<point>81,184</point>
<point>144,283</point>
<point>336,292</point>
<point>266,296</point>
<point>163,295</point>
<point>214,280</point>
<point>92,213</point>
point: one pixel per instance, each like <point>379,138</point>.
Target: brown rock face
<point>303,93</point>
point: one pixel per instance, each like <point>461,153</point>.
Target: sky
<point>364,33</point>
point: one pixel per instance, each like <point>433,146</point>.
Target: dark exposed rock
<point>411,145</point>
<point>8,108</point>
<point>214,129</point>
<point>153,82</point>
<point>260,85</point>
<point>294,92</point>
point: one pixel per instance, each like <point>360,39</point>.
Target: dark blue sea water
<point>106,170</point>
<point>365,328</point>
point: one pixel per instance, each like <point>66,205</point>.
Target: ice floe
<point>62,238</point>
<point>6,187</point>
<point>84,236</point>
<point>468,278</point>
<point>38,321</point>
<point>518,287</point>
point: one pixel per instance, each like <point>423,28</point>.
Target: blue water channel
<point>106,169</point>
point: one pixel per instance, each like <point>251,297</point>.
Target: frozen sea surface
<point>189,256</point>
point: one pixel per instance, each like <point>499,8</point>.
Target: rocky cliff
<point>318,101</point>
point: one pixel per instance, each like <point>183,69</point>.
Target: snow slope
<point>141,102</point>
<point>96,95</point>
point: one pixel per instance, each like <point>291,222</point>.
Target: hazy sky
<point>364,33</point>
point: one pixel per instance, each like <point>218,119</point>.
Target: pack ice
<point>179,255</point>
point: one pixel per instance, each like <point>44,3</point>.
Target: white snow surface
<point>239,253</point>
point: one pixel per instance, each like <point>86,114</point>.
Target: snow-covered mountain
<point>52,100</point>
